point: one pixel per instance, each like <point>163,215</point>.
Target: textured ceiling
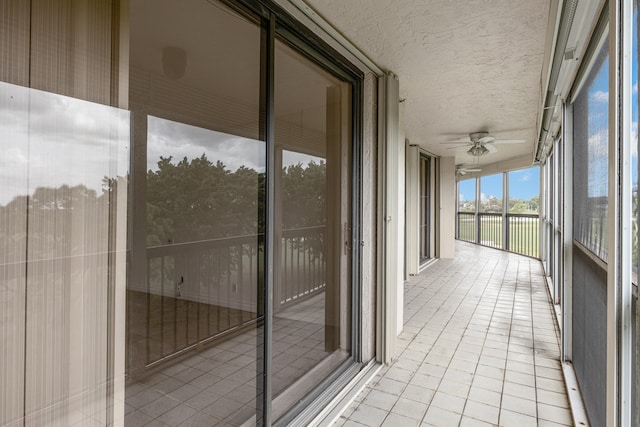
<point>463,66</point>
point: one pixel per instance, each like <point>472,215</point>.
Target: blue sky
<point>523,184</point>
<point>634,102</point>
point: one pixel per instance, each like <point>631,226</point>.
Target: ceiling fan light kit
<point>478,150</point>
<point>481,143</point>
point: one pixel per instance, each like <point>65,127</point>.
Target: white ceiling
<point>463,66</point>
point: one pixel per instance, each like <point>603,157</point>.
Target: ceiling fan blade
<point>486,139</point>
<point>456,142</point>
<point>491,148</point>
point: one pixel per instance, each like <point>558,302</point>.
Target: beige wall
<point>447,205</point>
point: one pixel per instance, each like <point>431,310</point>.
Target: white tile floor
<point>479,348</point>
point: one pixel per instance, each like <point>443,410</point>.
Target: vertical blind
<point>66,156</point>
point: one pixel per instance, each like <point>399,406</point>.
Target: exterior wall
<point>400,223</point>
<point>412,211</point>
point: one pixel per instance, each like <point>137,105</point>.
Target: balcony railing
<point>512,232</point>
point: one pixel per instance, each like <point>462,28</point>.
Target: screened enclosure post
<point>505,211</point>
<point>478,219</point>
<point>620,266</point>
<point>567,243</point>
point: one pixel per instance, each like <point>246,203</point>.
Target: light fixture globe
<point>478,150</point>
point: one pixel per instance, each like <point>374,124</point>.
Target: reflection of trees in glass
<point>303,195</point>
<point>195,199</point>
<point>62,221</point>
<point>304,190</point>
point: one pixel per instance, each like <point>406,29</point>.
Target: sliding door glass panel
<point>425,208</point>
<point>311,323</point>
<point>197,224</point>
<point>63,173</point>
<point>64,161</point>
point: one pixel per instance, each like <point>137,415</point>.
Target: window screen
<point>590,157</point>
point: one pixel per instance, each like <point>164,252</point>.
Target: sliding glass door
<point>425,208</point>
<point>311,321</point>
<point>176,213</point>
<point>197,223</point>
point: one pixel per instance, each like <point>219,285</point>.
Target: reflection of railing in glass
<point>303,264</point>
<point>202,290</point>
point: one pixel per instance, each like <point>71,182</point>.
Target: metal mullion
<point>478,223</point>
<point>612,379</point>
<point>356,222</point>
<point>567,218</point>
<point>269,50</point>
<point>505,211</point>
<point>620,263</point>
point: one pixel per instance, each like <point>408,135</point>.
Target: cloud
<point>635,88</point>
<point>167,138</point>
<point>52,140</point>
<point>293,158</point>
<point>600,96</point>
<point>634,139</point>
<point>525,177</point>
<point>599,144</point>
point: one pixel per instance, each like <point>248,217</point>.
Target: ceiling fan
<point>481,143</point>
<point>461,170</point>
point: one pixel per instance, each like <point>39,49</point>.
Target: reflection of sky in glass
<point>491,187</point>
<point>293,158</point>
<point>524,183</point>
<point>51,140</point>
<point>168,138</point>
